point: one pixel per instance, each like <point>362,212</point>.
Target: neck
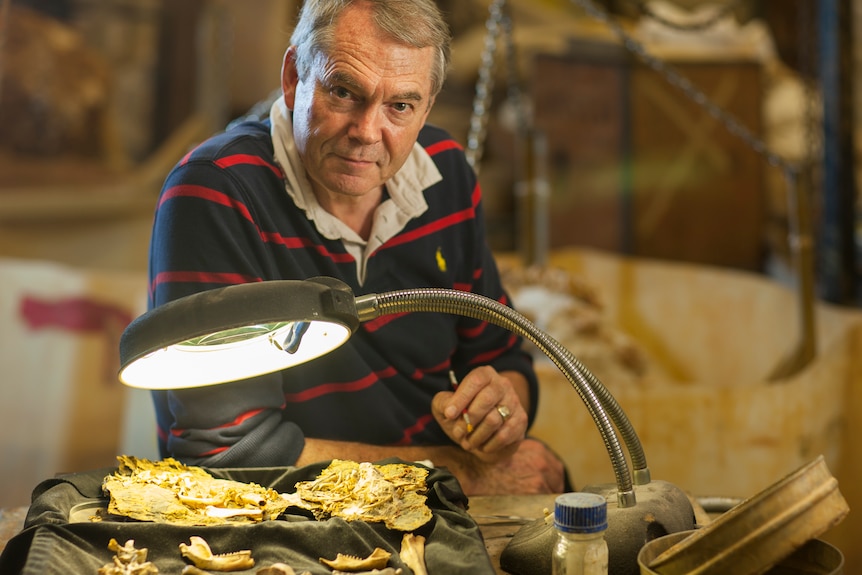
<point>355,211</point>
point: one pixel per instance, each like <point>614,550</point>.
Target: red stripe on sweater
<point>210,195</point>
<point>200,277</point>
<point>491,355</point>
<point>375,324</point>
<point>246,159</point>
<point>346,387</point>
<point>204,193</point>
<point>437,225</point>
<point>417,427</point>
<point>435,149</point>
<point>473,332</point>
<point>420,373</point>
<point>238,420</point>
<point>431,228</point>
<point>305,243</point>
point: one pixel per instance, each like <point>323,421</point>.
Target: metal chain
<point>799,232</point>
<point>500,21</point>
<point>644,9</point>
<point>808,67</point>
<point>514,89</point>
<point>484,86</point>
<point>674,78</point>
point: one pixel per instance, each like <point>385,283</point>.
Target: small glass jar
<point>581,520</point>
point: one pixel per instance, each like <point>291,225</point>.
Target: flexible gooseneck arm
<point>598,400</point>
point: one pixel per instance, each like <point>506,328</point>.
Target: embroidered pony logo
<point>441,261</point>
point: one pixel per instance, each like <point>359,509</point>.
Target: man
<point>346,180</point>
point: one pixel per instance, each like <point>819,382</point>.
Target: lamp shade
<point>236,332</point>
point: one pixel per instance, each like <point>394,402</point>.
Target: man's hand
<point>492,459</point>
<point>533,468</point>
<point>494,410</point>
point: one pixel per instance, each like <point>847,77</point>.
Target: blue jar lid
<point>579,512</point>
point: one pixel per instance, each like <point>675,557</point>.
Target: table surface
<point>499,518</point>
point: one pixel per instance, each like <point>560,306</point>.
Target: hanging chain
<point>799,232</point>
<point>808,67</point>
<point>5,14</point>
<point>514,78</point>
<point>499,21</point>
<point>674,78</point>
<point>644,9</point>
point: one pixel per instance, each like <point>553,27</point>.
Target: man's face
<point>358,114</point>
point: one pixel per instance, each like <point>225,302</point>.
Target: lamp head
<point>236,332</point>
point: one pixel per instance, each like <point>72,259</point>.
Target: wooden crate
<point>637,167</point>
<point>580,108</point>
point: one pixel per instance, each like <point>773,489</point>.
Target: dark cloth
<point>224,217</point>
<point>50,544</point>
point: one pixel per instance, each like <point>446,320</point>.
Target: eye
<point>402,107</point>
<point>341,92</point>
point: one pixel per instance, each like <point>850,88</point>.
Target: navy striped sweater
<point>223,217</point>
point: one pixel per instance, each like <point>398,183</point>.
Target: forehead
<point>366,54</point>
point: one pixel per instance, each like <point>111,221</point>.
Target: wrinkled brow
<point>348,81</point>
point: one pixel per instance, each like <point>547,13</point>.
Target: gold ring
<point>504,412</point>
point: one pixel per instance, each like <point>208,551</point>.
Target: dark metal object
<point>816,557</point>
<point>662,508</point>
<point>837,248</point>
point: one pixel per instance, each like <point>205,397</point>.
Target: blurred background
<point>684,170</point>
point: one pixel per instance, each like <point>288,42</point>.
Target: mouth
<point>354,161</point>
<point>354,165</point>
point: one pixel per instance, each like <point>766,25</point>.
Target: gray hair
<point>417,23</point>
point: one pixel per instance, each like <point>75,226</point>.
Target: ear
<point>289,77</point>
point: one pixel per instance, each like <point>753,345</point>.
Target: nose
<point>366,125</point>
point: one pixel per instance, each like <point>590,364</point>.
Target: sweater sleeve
<point>204,237</point>
<point>236,424</point>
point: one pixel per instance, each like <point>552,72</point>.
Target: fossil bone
<point>413,553</point>
<point>377,560</point>
<point>393,493</point>
<point>199,553</point>
<point>167,491</point>
<point>128,560</point>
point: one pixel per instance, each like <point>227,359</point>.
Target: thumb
<point>441,406</point>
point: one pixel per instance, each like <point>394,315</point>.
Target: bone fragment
<point>128,560</point>
<point>199,553</point>
<point>377,560</point>
<point>413,553</point>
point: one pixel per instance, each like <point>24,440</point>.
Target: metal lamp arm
<point>594,395</point>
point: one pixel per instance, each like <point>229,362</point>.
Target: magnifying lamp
<point>244,330</point>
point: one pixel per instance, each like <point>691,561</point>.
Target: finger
<point>495,435</point>
<point>457,429</point>
<point>467,390</point>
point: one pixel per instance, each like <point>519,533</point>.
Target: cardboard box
<point>61,403</point>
